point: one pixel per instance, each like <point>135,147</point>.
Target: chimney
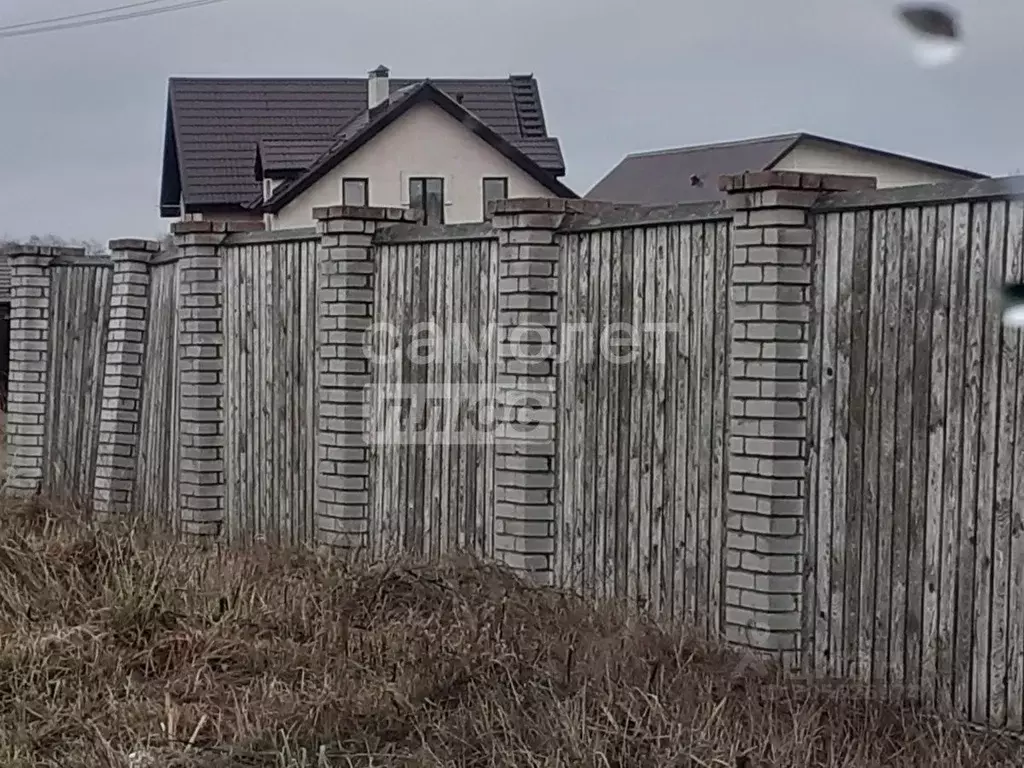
<point>379,86</point>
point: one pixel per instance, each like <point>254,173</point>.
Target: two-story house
<point>273,149</point>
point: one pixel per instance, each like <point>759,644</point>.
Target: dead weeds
<point>119,648</point>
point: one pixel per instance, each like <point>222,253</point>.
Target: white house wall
<point>426,141</point>
<point>814,157</point>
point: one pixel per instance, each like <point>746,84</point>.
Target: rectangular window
<point>495,188</point>
<point>355,192</point>
<point>427,194</point>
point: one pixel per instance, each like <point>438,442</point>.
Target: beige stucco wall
<point>812,157</point>
<point>426,141</point>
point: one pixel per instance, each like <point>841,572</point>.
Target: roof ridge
<point>719,144</point>
<point>326,79</point>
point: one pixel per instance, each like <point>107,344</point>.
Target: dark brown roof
<point>690,174</point>
<point>362,128</point>
<point>281,157</point>
<point>214,124</point>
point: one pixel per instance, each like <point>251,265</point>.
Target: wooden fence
<point>80,303</point>
<point>916,472</point>
<point>642,452</point>
<point>815,447</point>
<point>431,467</point>
<point>270,377</point>
<point>156,489</point>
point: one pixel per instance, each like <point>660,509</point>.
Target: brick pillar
<point>116,462</point>
<point>29,364</point>
<point>345,313</point>
<point>200,377</point>
<point>770,309</point>
<point>525,481</point>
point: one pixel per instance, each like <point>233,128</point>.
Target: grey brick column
<point>528,337</point>
<point>116,462</point>
<point>200,377</point>
<point>770,309</point>
<point>29,364</point>
<point>345,314</point>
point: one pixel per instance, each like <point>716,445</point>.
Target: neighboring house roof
<point>369,123</point>
<point>690,174</point>
<point>214,124</point>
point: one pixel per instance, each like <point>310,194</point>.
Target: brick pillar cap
<point>516,205</point>
<point>366,213</point>
<point>132,244</point>
<point>754,181</point>
<point>17,251</point>
<point>213,227</point>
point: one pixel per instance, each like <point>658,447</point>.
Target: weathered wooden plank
<point>842,554</point>
<point>669,384</point>
<point>907,557</point>
<point>902,366</point>
<point>637,513</point>
<point>972,354</point>
<point>420,442</point>
<point>465,272</point>
<point>439,333</point>
<point>887,448</point>
<point>232,391</point>
<point>826,284</point>
<point>602,471</point>
<point>626,510</point>
<point>1012,493</point>
<point>492,378</point>
<point>400,453</point>
<point>956,243</point>
<point>809,621</point>
<point>953,239</point>
<point>721,418</point>
<point>681,264</point>
<point>247,514</point>
<point>309,366</point>
<point>995,501</point>
<point>474,516</point>
<point>872,431</point>
<point>388,538</point>
<point>658,337</point>
<point>590,264</point>
<point>705,414</point>
<point>695,307</point>
<point>567,406</point>
<point>644,369</point>
<point>580,253</point>
<point>613,513</point>
<point>929,431</point>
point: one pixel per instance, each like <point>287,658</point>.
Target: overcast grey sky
<point>82,111</point>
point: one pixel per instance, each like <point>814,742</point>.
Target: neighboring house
<point>690,174</point>
<point>273,149</point>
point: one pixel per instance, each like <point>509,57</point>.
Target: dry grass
<point>115,644</point>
